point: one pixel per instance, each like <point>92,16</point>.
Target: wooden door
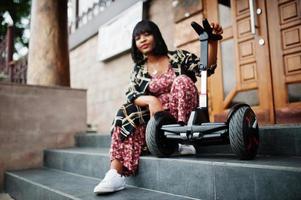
<point>262,68</point>
<point>244,73</point>
<point>284,19</point>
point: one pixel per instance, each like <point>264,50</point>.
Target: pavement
<point>5,196</point>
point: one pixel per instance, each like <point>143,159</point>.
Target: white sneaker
<point>186,149</point>
<point>112,182</point>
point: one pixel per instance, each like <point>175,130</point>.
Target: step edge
<point>98,179</point>
<point>90,134</point>
<point>213,163</point>
<point>161,192</point>
<point>91,178</point>
<point>280,126</point>
<point>42,186</point>
<point>264,127</point>
<point>77,152</point>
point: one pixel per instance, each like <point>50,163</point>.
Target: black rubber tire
<point>156,142</point>
<point>198,148</point>
<point>244,139</point>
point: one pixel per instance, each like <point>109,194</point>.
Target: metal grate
<point>88,15</point>
<point>3,56</point>
<point>11,71</point>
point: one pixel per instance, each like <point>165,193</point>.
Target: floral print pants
<point>178,95</point>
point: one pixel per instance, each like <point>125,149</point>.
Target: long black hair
<point>149,27</point>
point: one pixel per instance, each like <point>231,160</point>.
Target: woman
<point>161,80</point>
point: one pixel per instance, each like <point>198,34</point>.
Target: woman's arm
<point>212,53</point>
<point>191,62</point>
<point>141,99</point>
<point>212,47</point>
<point>152,102</point>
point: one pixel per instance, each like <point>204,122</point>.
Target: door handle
<point>252,16</point>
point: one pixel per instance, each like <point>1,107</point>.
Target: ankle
<point>116,171</point>
<point>116,165</point>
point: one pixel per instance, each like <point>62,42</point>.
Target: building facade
<point>259,58</point>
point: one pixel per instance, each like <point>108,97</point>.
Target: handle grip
<point>252,16</point>
<point>207,28</point>
<point>198,29</point>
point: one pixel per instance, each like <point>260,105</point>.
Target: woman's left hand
<point>216,29</point>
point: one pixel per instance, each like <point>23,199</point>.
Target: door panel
<point>263,68</point>
<point>284,19</point>
<point>245,74</point>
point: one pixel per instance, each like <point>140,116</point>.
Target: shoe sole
<point>109,190</point>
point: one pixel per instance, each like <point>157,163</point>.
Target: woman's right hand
<point>152,102</point>
<point>154,106</point>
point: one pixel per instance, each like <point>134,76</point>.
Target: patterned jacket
<point>131,115</point>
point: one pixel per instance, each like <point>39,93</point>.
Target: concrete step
<point>274,140</point>
<point>93,140</point>
<point>204,177</point>
<point>44,183</point>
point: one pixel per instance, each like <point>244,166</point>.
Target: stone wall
<point>106,81</point>
<point>34,118</point>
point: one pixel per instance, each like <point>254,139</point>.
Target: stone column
<point>48,58</point>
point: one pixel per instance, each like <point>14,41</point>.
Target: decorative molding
<point>242,7</point>
<point>292,63</point>
<point>291,37</point>
<point>115,36</point>
<point>183,9</point>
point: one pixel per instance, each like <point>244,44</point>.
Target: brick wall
<point>105,82</point>
<point>33,118</point>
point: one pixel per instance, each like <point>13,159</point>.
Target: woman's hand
<point>152,102</point>
<point>155,106</point>
<point>212,50</point>
<point>216,29</point>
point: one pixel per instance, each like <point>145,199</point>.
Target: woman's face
<point>145,42</point>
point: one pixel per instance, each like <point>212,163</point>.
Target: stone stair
<point>215,174</point>
<point>45,183</point>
